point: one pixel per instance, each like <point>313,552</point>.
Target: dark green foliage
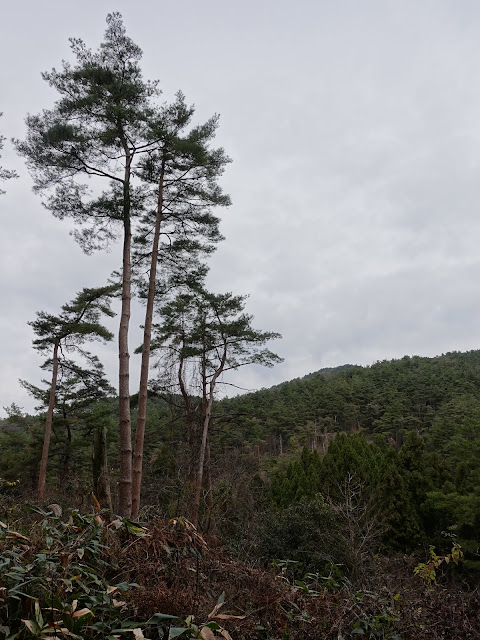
<point>454,511</point>
<point>97,122</point>
<point>455,431</point>
<point>73,389</point>
<point>308,532</point>
<point>20,450</point>
<point>389,398</point>
<point>301,479</point>
<point>398,516</point>
<point>79,321</point>
<point>352,454</point>
<point>180,177</point>
<point>365,484</point>
<point>202,323</point>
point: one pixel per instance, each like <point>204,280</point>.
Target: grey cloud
<point>356,145</point>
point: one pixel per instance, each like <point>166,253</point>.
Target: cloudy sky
<point>354,129</point>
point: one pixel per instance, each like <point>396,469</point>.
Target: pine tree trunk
<point>203,446</point>
<point>101,481</point>
<point>125,426</point>
<point>67,452</point>
<point>210,526</point>
<point>147,338</point>
<point>190,422</point>
<point>206,425</point>
<point>42,476</point>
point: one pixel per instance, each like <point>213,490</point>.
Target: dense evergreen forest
<point>342,504</point>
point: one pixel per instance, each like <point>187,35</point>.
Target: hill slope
<point>389,397</point>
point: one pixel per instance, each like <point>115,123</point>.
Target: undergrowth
<point>80,576</point>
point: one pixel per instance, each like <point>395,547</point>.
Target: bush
<point>307,532</point>
<point>55,581</point>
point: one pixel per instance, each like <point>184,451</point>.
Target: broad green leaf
<point>161,617</point>
<point>175,632</point>
<point>38,614</point>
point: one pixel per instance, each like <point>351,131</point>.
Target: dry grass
<point>181,575</point>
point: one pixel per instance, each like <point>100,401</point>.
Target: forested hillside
<point>388,398</point>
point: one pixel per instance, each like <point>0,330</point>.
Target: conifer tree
<point>213,334</point>
<point>5,174</point>
<point>182,171</point>
<point>78,322</point>
<point>397,511</point>
<point>80,391</point>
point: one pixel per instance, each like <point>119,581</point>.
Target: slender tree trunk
<point>68,450</point>
<point>210,526</point>
<point>42,476</point>
<point>203,446</point>
<point>125,426</point>
<point>101,481</point>
<point>190,421</point>
<point>206,425</point>
<point>147,339</point>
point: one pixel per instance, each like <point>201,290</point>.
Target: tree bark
<point>206,425</point>
<point>203,446</point>
<point>101,481</point>
<point>210,526</point>
<point>125,426</point>
<point>68,450</point>
<point>144,370</point>
<point>42,476</point>
<point>190,422</point>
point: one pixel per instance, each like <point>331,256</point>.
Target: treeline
<point>433,396</point>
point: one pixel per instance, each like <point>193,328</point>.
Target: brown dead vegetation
<point>180,574</point>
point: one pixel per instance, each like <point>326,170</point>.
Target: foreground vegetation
<point>79,576</point>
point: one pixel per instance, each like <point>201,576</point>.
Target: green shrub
<point>307,532</point>
<point>55,581</point>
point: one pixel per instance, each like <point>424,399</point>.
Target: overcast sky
<point>354,129</point>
